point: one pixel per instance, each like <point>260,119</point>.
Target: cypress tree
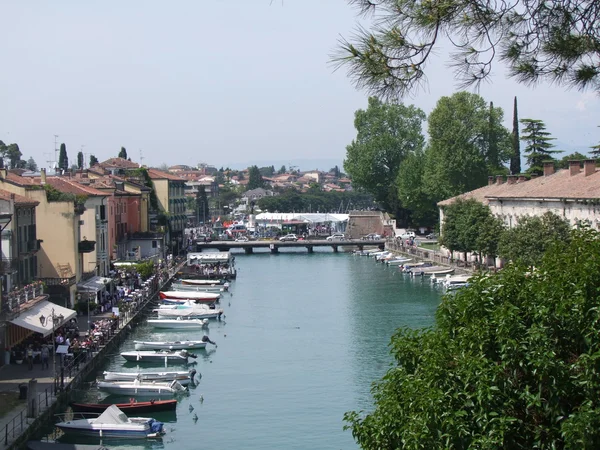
<point>123,153</point>
<point>63,159</point>
<point>80,160</point>
<point>515,160</point>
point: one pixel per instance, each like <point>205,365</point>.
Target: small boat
<point>142,388</point>
<point>190,295</point>
<point>200,288</point>
<point>184,377</point>
<point>408,267</point>
<point>169,345</point>
<point>113,423</point>
<point>165,356</point>
<point>137,407</point>
<point>430,271</point>
<point>203,282</point>
<point>179,323</point>
<point>397,261</point>
<point>170,311</point>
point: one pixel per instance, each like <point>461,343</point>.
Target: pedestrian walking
<point>30,356</point>
<point>45,355</point>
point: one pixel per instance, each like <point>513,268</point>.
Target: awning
<point>30,318</point>
<point>94,284</point>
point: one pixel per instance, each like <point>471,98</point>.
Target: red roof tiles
<point>156,174</point>
<point>18,199</point>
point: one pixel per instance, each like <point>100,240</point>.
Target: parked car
<point>432,236</point>
<point>408,235</point>
<point>372,237</point>
<point>289,237</point>
<point>336,237</point>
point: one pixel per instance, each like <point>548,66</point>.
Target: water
<point>303,338</point>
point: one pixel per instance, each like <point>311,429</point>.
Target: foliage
<point>93,161</point>
<point>202,208</point>
<point>267,171</point>
<point>63,159</point>
<point>386,134</point>
<point>564,162</point>
<point>12,152</point>
<point>142,172</point>
<point>80,160</point>
<point>527,242</point>
<point>538,145</point>
<point>457,159</point>
<point>511,363</point>
<point>31,165</point>
<point>555,41</point>
<point>595,149</point>
<point>325,202</point>
<point>281,170</point>
<point>336,172</point>
<point>255,179</point>
<point>54,195</point>
<point>515,159</point>
<point>411,193</point>
<point>145,269</point>
<point>123,153</point>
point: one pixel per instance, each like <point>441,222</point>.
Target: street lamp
<point>55,319</point>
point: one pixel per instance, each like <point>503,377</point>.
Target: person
<point>30,356</point>
<point>45,355</point>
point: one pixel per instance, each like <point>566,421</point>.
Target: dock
<point>274,245</point>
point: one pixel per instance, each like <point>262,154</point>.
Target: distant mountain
<point>298,164</point>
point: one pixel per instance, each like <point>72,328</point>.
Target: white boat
<point>183,377</point>
<point>142,388</point>
<point>203,282</point>
<point>171,311</point>
<point>430,271</point>
<point>190,295</point>
<point>409,267</point>
<point>179,323</point>
<point>180,356</point>
<point>199,288</point>
<point>169,345</point>
<point>113,423</point>
<point>397,261</point>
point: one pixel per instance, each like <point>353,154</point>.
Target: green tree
<point>538,145</point>
<point>63,159</point>
<point>564,162</point>
<point>386,134</point>
<point>510,364</point>
<point>527,242</point>
<point>595,150</point>
<point>31,165</point>
<point>411,192</point>
<point>123,153</point>
<point>13,153</point>
<point>515,159</point>
<point>281,170</point>
<point>267,171</point>
<point>93,161</point>
<point>80,160</point>
<point>390,61</point>
<point>335,171</point>
<point>202,207</point>
<point>457,159</point>
<point>255,179</point>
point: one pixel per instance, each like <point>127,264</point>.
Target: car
<point>372,237</point>
<point>408,235</point>
<point>431,236</point>
<point>203,238</point>
<point>336,237</point>
<point>289,237</point>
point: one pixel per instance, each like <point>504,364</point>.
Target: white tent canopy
<point>94,284</point>
<point>30,318</point>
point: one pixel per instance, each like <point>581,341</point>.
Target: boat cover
<point>112,415</point>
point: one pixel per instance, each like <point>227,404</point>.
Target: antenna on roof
<point>141,158</point>
<point>56,147</point>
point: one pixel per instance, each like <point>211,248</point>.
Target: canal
<point>303,337</point>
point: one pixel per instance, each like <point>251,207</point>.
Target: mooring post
<point>335,248</point>
<point>310,249</point>
<point>248,250</point>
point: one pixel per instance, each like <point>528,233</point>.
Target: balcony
<point>12,301</point>
<point>86,246</point>
<point>63,282</point>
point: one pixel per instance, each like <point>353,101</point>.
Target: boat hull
<point>189,295</point>
<point>183,377</point>
<point>140,391</point>
<point>183,345</point>
<point>106,433</point>
<point>137,407</point>
<point>140,357</point>
<point>178,324</point>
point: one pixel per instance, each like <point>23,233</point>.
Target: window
<point>154,244</point>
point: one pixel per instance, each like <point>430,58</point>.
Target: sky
<point>224,82</point>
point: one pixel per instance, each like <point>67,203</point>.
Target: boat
<point>200,288</point>
<point>40,445</point>
<point>408,267</point>
<point>184,377</point>
<point>190,295</point>
<point>397,261</point>
<point>203,282</point>
<point>142,388</point>
<point>169,345</point>
<point>170,311</point>
<point>113,423</point>
<point>430,271</point>
<point>180,356</point>
<point>179,323</point>
<point>137,407</point>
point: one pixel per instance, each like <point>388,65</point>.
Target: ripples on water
<point>303,338</point>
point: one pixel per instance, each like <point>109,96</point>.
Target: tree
<point>281,170</point>
<point>202,208</point>
<point>255,179</point>
<point>595,149</point>
<point>564,162</point>
<point>386,134</point>
<point>538,145</point>
<point>515,159</point>
<point>93,161</point>
<point>13,153</point>
<point>527,242</point>
<point>510,363</point>
<point>80,160</point>
<point>457,159</point>
<point>63,159</point>
<point>31,165</point>
<point>123,153</point>
<point>267,171</point>
<point>390,61</point>
<point>411,193</point>
<point>335,171</point>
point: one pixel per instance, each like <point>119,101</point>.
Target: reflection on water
<point>303,338</point>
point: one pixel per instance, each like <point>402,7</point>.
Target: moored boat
<point>183,311</point>
<point>184,377</point>
<point>431,271</point>
<point>179,323</point>
<point>132,407</point>
<point>199,288</point>
<point>190,295</point>
<point>194,282</point>
<point>113,423</point>
<point>180,356</point>
<point>397,261</point>
<point>169,345</point>
<point>142,388</point>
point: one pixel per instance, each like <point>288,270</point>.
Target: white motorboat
<point>190,295</point>
<point>430,271</point>
<point>170,311</point>
<point>169,345</point>
<point>142,388</point>
<point>203,282</point>
<point>200,288</point>
<point>397,261</point>
<point>409,267</point>
<point>166,356</point>
<point>113,423</point>
<point>183,377</point>
<point>179,323</point>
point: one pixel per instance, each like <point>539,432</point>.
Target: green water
<point>303,338</point>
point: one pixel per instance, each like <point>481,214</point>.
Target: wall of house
<point>573,211</point>
<point>94,229</point>
<point>161,188</point>
<point>133,214</point>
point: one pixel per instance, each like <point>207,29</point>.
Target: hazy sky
<point>214,81</point>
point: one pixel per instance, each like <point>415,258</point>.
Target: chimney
<point>589,167</point>
<point>499,179</point>
<point>522,178</point>
<point>43,175</point>
<point>511,179</point>
<point>548,168</point>
<point>490,180</point>
<point>574,167</point>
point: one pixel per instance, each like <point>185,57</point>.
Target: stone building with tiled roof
<point>573,194</point>
<point>170,191</point>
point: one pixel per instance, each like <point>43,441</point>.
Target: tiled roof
<point>156,174</point>
<point>72,187</point>
<point>19,199</point>
<point>121,163</point>
<point>19,180</point>
<point>556,186</point>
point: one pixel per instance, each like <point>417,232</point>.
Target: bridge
<point>275,245</point>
